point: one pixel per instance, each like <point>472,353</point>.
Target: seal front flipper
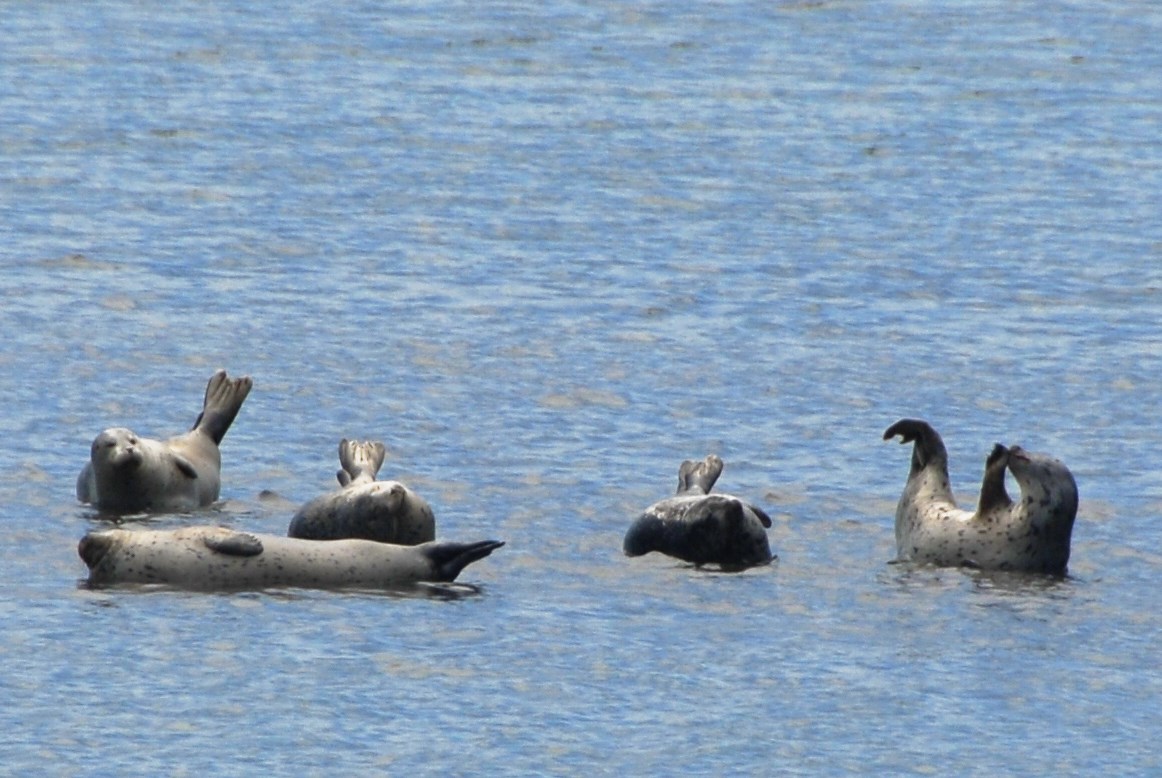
<point>993,495</point>
<point>233,543</point>
<point>764,519</point>
<point>184,465</point>
<point>448,559</point>
<point>83,483</point>
<point>224,398</point>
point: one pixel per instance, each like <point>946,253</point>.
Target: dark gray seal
<point>131,474</point>
<point>221,559</point>
<point>1032,534</point>
<point>386,511</point>
<point>702,528</point>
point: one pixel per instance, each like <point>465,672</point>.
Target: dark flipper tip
<point>449,559</point>
<point>909,430</point>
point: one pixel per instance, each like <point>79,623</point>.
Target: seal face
<point>1031,534</point>
<point>699,527</point>
<point>385,511</point>
<point>127,473</point>
<point>216,558</point>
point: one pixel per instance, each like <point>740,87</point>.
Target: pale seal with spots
<point>699,527</point>
<point>216,558</point>
<point>1031,534</point>
<point>127,473</point>
<point>386,511</point>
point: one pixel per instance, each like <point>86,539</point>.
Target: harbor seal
<point>216,558</point>
<point>1031,534</point>
<point>386,511</point>
<point>699,527</point>
<point>127,473</point>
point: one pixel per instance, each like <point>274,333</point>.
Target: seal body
<point>699,527</point>
<point>217,558</point>
<point>1032,534</point>
<point>386,511</point>
<point>127,473</point>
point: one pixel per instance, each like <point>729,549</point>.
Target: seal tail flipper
<point>910,430</point>
<point>929,445</point>
<point>699,477</point>
<point>448,559</point>
<point>224,398</point>
<point>992,488</point>
<point>359,458</point>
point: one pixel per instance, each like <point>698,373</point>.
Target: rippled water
<point>546,254</point>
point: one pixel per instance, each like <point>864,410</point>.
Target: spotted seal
<point>131,474</point>
<point>1029,535</point>
<point>699,527</point>
<point>386,511</point>
<point>216,558</point>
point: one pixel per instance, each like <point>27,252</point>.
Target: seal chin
<point>129,458</point>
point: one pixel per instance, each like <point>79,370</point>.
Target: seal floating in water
<point>131,474</point>
<point>217,558</point>
<point>699,527</point>
<point>386,511</point>
<point>1029,535</point>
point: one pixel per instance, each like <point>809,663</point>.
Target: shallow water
<point>546,255</point>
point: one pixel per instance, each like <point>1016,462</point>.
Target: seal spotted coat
<point>127,473</point>
<point>699,527</point>
<point>1032,534</point>
<point>217,558</point>
<point>386,511</point>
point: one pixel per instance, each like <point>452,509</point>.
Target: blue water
<point>546,254</point>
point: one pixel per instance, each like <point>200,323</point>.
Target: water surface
<point>546,255</point>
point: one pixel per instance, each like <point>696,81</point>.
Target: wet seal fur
<point>386,511</point>
<point>219,559</point>
<point>702,528</point>
<point>1029,535</point>
<point>131,474</point>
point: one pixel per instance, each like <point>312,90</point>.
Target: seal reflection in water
<point>1030,535</point>
<point>217,558</point>
<point>127,473</point>
<point>386,511</point>
<point>699,527</point>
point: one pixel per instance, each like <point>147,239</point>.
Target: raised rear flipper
<point>224,398</point>
<point>359,460</point>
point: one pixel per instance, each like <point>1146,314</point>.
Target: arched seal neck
<point>1043,480</point>
<point>360,461</point>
